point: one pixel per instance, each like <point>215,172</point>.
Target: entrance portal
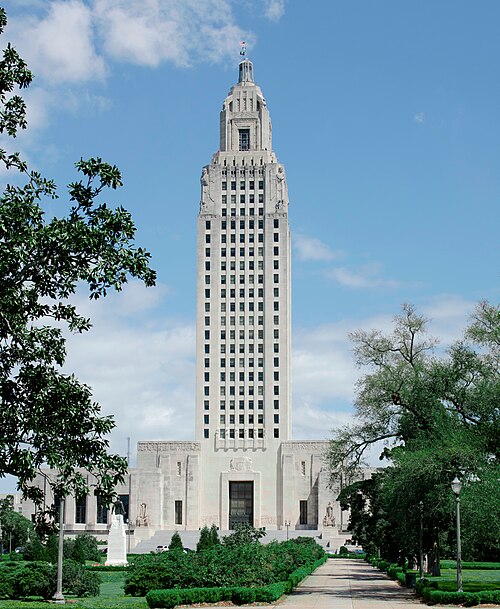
<point>240,503</point>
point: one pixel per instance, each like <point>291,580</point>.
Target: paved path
<point>349,584</point>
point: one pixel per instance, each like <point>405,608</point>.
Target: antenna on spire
<point>246,66</point>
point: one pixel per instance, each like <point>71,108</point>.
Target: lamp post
<point>58,596</point>
<point>421,541</point>
<point>456,487</point>
<point>287,524</point>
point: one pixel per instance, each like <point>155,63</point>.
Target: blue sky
<point>386,116</point>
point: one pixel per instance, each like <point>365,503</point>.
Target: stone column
<point>192,492</point>
<point>290,506</point>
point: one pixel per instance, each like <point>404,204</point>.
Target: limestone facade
<point>243,465</point>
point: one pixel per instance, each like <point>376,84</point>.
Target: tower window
<point>244,139</point>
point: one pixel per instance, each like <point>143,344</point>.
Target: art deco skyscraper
<point>243,290</point>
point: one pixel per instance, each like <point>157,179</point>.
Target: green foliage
<point>82,548</point>
<point>246,565</point>
<point>441,417</point>
<point>208,538</point>
<point>43,258</point>
<point>483,566</point>
<point>78,580</point>
<point>214,535</point>
<point>176,543</point>
<point>469,599</point>
<point>15,527</point>
<point>243,534</point>
<point>204,542</point>
<point>42,551</point>
<point>38,578</point>
<point>33,579</point>
<point>239,595</point>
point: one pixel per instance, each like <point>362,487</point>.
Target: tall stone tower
<point>243,304</point>
<point>243,466</point>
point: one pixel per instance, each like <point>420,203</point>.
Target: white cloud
<point>177,31</point>
<point>312,423</point>
<point>275,9</point>
<point>140,366</point>
<point>60,46</point>
<point>448,316</point>
<point>310,248</point>
<point>366,276</point>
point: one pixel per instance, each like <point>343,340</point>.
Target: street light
<point>421,541</point>
<point>58,596</point>
<point>287,524</point>
<point>456,487</point>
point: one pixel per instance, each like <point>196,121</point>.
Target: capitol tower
<point>243,467</point>
<point>243,329</point>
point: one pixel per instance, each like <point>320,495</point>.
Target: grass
<point>452,564</point>
<point>473,580</point>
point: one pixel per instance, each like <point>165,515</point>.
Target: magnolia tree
<point>47,417</point>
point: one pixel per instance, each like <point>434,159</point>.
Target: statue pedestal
<point>333,538</point>
<point>117,542</point>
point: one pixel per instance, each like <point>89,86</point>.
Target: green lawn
<point>473,580</point>
<point>452,564</point>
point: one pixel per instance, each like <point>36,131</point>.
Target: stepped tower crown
<point>245,124</point>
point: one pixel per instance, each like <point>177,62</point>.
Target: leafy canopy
<point>47,417</point>
<point>441,417</point>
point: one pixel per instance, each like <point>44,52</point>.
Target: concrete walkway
<point>349,584</point>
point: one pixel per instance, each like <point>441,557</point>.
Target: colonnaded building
<point>243,466</point>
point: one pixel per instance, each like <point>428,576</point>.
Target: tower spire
<point>246,66</point>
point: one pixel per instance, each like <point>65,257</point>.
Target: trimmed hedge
<point>247,566</point>
<point>469,599</point>
<point>430,593</point>
<point>238,595</point>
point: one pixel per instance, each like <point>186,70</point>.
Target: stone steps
<point>190,539</point>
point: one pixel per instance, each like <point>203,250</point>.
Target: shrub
<point>433,596</point>
<point>271,593</point>
<point>204,542</point>
<point>86,548</point>
<point>214,536</point>
<point>243,596</point>
<point>34,579</point>
<point>78,580</point>
<point>176,543</point>
<point>243,534</point>
<point>6,588</point>
<point>247,565</point>
<point>238,594</point>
